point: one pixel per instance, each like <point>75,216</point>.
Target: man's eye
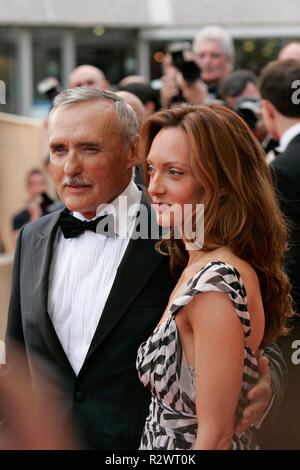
<point>59,150</point>
<point>150,169</point>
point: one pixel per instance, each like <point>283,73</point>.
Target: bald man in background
<point>290,51</point>
<point>136,105</point>
<point>88,75</point>
<point>133,79</point>
<point>141,116</point>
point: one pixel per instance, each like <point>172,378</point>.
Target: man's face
<point>215,65</point>
<point>88,163</point>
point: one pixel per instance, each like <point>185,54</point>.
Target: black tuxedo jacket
<point>106,401</point>
<point>286,174</point>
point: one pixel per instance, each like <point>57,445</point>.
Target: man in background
<point>88,75</point>
<point>147,95</point>
<point>214,53</point>
<point>290,51</point>
<point>281,114</point>
<point>237,85</point>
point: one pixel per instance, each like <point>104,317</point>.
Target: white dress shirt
<point>288,136</point>
<point>82,273</point>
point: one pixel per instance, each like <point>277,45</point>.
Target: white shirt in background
<point>288,136</point>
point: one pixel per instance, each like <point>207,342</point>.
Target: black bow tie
<point>72,227</point>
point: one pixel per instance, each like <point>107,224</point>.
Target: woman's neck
<point>203,256</point>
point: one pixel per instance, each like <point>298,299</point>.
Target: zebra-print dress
<point>161,365</point>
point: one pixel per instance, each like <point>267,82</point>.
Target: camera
<point>249,110</point>
<point>189,69</point>
<point>49,87</point>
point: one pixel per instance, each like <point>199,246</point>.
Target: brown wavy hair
<point>241,210</point>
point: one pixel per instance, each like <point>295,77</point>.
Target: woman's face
<point>172,186</point>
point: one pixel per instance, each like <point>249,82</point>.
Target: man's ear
<point>149,107</point>
<point>270,110</point>
<point>270,115</point>
<point>133,152</point>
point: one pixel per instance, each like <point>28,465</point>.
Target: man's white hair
<point>216,33</point>
<point>126,117</point>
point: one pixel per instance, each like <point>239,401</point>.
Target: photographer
<point>182,77</point>
<point>213,49</point>
<point>239,91</point>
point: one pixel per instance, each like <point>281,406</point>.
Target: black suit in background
<point>106,399</point>
<point>286,174</point>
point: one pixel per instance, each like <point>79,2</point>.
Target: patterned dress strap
<point>217,276</point>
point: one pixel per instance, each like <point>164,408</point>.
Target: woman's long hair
<point>241,210</point>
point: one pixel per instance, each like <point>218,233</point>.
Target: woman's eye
<point>175,172</point>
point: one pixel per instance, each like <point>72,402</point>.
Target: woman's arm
<point>218,363</point>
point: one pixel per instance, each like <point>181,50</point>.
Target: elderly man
<point>88,75</point>
<point>214,53</point>
<point>140,112</point>
<point>83,300</point>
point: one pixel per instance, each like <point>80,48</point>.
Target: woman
<point>232,297</point>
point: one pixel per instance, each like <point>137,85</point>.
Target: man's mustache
<point>75,180</point>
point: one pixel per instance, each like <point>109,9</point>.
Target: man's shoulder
<point>43,224</point>
<point>290,158</point>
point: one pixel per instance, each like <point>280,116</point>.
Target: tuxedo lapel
<point>42,255</point>
<point>138,264</point>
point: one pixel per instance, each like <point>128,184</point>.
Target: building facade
<point>42,38</point>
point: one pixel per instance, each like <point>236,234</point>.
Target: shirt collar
<point>124,209</point>
<point>288,136</point>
